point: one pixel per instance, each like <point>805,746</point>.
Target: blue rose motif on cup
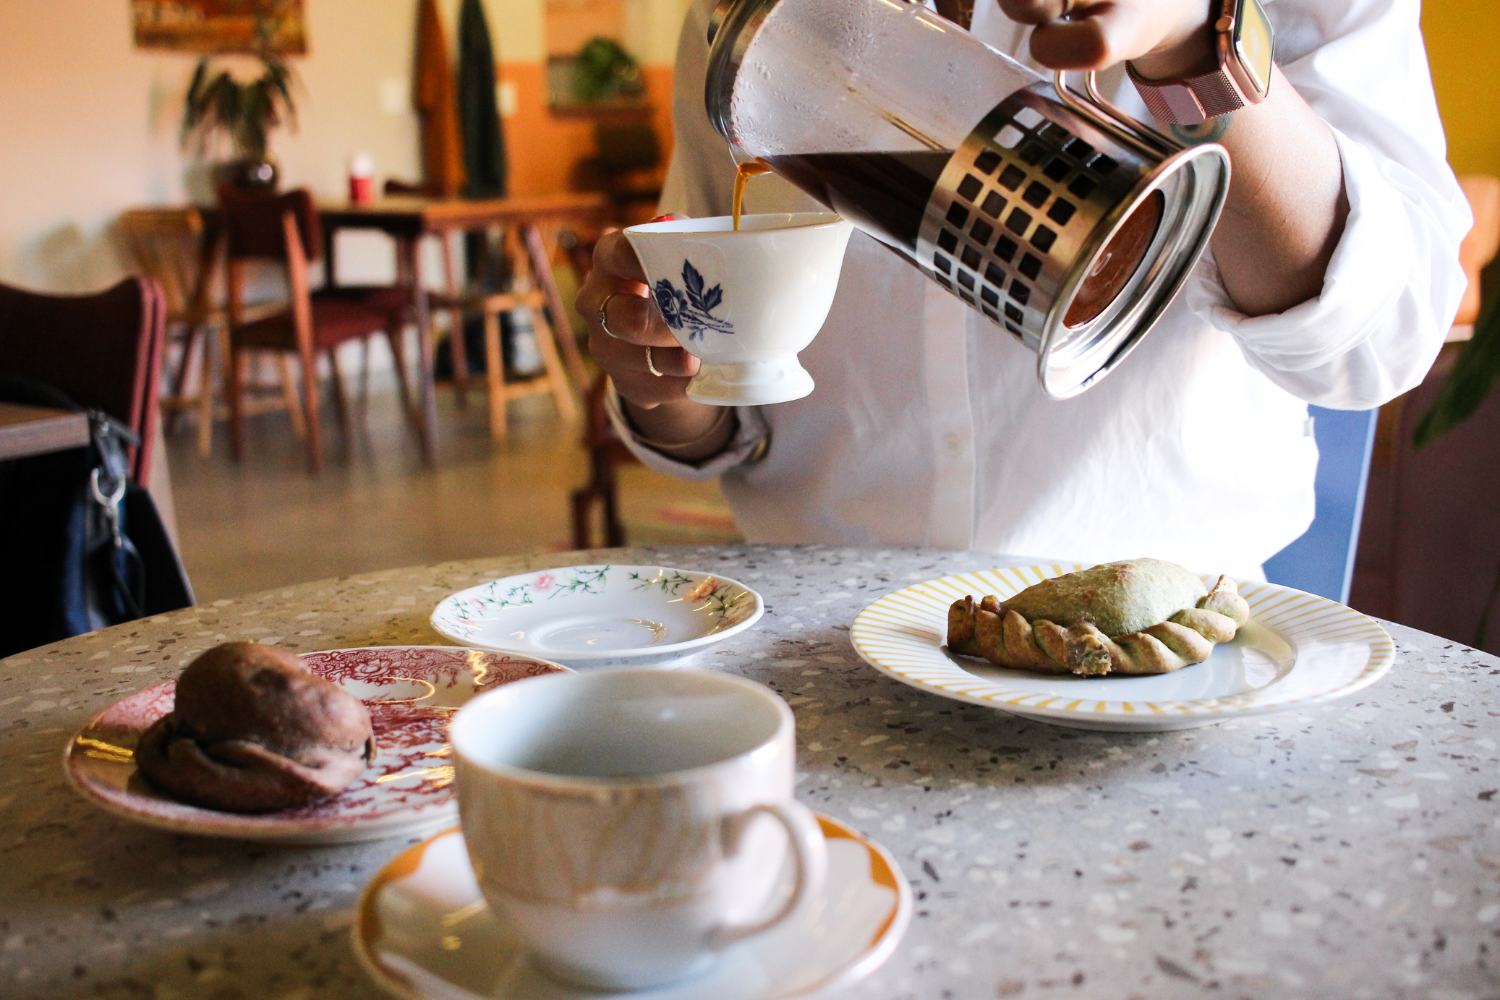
<point>671,302</point>
<point>691,309</point>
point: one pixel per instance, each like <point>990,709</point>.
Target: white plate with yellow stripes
<point>1297,650</point>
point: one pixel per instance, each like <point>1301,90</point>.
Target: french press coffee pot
<point>1052,212</point>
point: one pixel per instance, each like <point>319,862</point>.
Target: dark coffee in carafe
<point>884,194</point>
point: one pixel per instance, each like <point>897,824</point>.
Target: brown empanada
<point>1143,616</point>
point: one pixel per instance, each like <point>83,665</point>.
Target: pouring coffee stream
<point>742,174</point>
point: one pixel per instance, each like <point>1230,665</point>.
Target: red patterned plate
<point>411,692</point>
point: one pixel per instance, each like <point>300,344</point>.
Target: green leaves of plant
<point>1473,374</point>
<point>604,69</point>
<point>246,112</point>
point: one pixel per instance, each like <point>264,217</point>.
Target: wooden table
<point>35,430</point>
<point>1343,850</point>
<point>409,219</point>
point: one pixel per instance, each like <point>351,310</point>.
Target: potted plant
<point>1474,373</point>
<point>219,106</point>
<point>603,70</point>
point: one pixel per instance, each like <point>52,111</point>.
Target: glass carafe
<point>1050,211</point>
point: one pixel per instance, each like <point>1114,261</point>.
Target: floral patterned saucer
<point>411,692</point>
<point>600,616</point>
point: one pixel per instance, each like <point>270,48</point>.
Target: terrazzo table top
<point>1346,851</point>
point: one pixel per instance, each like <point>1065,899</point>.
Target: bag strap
<point>108,439</point>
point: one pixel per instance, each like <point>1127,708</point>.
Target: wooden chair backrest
<point>167,244</point>
<point>252,224</point>
<point>104,350</point>
<point>284,228</point>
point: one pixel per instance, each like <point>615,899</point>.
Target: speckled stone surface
<point>1348,851</point>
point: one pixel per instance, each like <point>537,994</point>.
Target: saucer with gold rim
<point>423,932</point>
<point>602,615</point>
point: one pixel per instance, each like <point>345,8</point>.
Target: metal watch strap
<point>1188,101</point>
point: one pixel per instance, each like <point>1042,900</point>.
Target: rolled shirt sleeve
<point>1394,282</point>
<point>749,443</point>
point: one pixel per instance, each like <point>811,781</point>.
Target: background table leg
<point>427,396</point>
<point>541,265</point>
<point>456,344</point>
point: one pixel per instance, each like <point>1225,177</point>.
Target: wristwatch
<point>1243,46</point>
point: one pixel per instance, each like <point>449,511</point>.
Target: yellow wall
<point>1463,46</point>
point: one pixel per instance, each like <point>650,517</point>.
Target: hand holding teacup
<point>745,302</point>
<point>623,324</point>
<point>630,341</point>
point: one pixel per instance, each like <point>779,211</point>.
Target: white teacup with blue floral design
<point>744,302</point>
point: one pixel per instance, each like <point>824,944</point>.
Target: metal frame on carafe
<point>1026,207</point>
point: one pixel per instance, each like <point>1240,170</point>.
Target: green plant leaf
<point>603,69</point>
<point>1474,373</point>
<point>216,103</point>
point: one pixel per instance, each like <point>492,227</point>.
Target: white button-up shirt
<point>928,426</point>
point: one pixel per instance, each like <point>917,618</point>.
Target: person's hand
<point>636,341</point>
<point>1163,38</point>
<point>634,325</point>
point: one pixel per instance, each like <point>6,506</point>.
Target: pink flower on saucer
<point>702,589</point>
<point>545,581</point>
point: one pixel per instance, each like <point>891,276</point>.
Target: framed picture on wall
<point>220,25</point>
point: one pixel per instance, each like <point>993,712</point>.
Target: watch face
<point>1252,41</point>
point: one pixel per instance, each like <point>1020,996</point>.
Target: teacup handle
<point>809,852</point>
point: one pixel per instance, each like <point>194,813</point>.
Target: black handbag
<point>84,547</point>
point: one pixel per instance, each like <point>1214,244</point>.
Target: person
<point>1332,278</point>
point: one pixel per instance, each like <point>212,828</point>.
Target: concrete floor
<point>266,521</point>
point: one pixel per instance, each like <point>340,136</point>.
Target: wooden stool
<point>170,245</point>
<point>553,379</point>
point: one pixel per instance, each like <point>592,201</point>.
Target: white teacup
<point>744,302</point>
<point>628,825</point>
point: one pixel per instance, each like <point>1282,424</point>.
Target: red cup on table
<point>361,179</point>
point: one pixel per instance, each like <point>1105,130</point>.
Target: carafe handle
<point>1093,105</point>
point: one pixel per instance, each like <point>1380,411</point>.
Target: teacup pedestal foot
<point>753,383</point>
<point>570,975</point>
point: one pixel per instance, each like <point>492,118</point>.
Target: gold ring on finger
<point>600,316</point>
<point>650,367</point>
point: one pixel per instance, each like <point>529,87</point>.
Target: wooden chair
<point>285,229</point>
<point>553,379</point>
<point>104,350</point>
<point>168,244</point>
<point>173,246</point>
<point>402,189</point>
<point>606,452</point>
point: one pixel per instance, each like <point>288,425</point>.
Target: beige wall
<point>88,123</point>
